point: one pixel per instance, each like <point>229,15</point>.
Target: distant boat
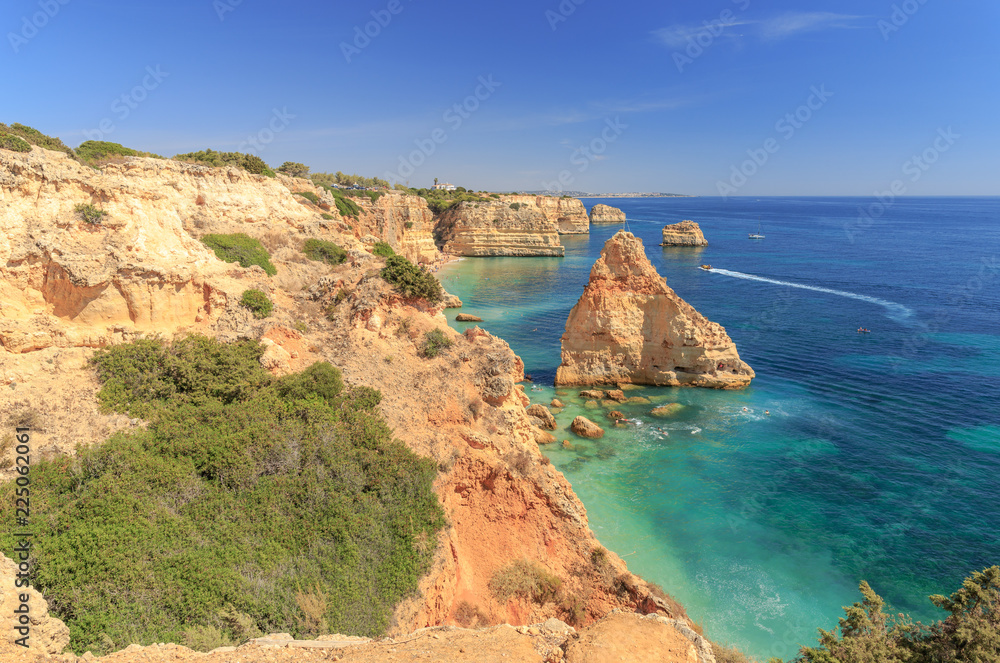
<point>706,267</point>
<point>758,234</point>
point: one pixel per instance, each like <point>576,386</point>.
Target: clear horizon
<point>737,98</point>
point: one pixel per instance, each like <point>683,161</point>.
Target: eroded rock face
<point>494,228</point>
<point>404,221</point>
<point>630,327</point>
<point>45,633</point>
<point>685,233</point>
<point>569,214</point>
<point>606,214</point>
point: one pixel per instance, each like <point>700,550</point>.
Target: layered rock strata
<point>685,233</point>
<point>499,228</point>
<point>629,326</point>
<point>606,214</point>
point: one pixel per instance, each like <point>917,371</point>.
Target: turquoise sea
<point>880,458</point>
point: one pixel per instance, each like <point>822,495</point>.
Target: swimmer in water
<point>767,412</point>
<point>745,410</point>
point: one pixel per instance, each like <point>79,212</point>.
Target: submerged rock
<point>629,326</point>
<point>467,317</point>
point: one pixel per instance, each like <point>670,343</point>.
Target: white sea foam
<point>895,311</point>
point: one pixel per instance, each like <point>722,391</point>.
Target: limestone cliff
<point>569,214</point>
<point>630,327</point>
<point>402,220</point>
<point>499,228</point>
<point>685,233</point>
<point>606,214</point>
<point>68,286</point>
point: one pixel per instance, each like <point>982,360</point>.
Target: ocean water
<point>879,459</point>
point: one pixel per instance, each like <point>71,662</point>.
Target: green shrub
<point>15,143</point>
<point>411,280</point>
<point>92,151</point>
<point>515,206</point>
<point>327,217</point>
<point>435,341</point>
<point>324,251</point>
<point>408,225</point>
<point>244,489</point>
<point>300,327</point>
<point>525,579</point>
<point>971,633</point>
<point>258,302</point>
<point>294,169</point>
<point>309,195</point>
<point>248,162</point>
<point>35,137</point>
<point>346,206</point>
<point>242,249</point>
<point>90,213</point>
<point>383,249</point>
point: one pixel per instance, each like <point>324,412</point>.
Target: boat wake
<point>894,311</point>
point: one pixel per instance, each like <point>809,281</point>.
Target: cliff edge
<point>629,326</point>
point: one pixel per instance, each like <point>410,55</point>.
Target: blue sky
<point>742,97</point>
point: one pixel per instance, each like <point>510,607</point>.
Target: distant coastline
<point>583,194</point>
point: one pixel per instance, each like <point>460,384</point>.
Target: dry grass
<point>470,616</point>
<point>725,654</point>
<point>525,579</point>
<point>313,607</point>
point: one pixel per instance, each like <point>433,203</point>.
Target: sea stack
<point>631,327</point>
<point>685,233</point>
<point>606,214</point>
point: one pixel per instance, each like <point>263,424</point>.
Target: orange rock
<point>629,326</point>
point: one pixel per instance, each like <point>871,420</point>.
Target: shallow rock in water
<point>542,437</point>
<point>616,395</point>
<point>592,394</point>
<point>467,317</point>
<point>639,400</point>
<point>541,417</point>
<point>584,427</point>
<point>615,414</point>
<point>557,403</point>
<point>591,405</point>
<point>668,410</point>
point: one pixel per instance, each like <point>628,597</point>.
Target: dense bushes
<point>970,633</point>
<point>342,179</point>
<point>35,137</point>
<point>294,169</point>
<point>258,302</point>
<point>250,504</point>
<point>324,251</point>
<point>411,280</point>
<point>345,206</point>
<point>383,250</point>
<point>248,162</point>
<point>242,249</point>
<point>309,195</point>
<point>15,143</point>
<point>92,151</point>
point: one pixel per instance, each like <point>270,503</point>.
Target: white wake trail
<point>895,311</point>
